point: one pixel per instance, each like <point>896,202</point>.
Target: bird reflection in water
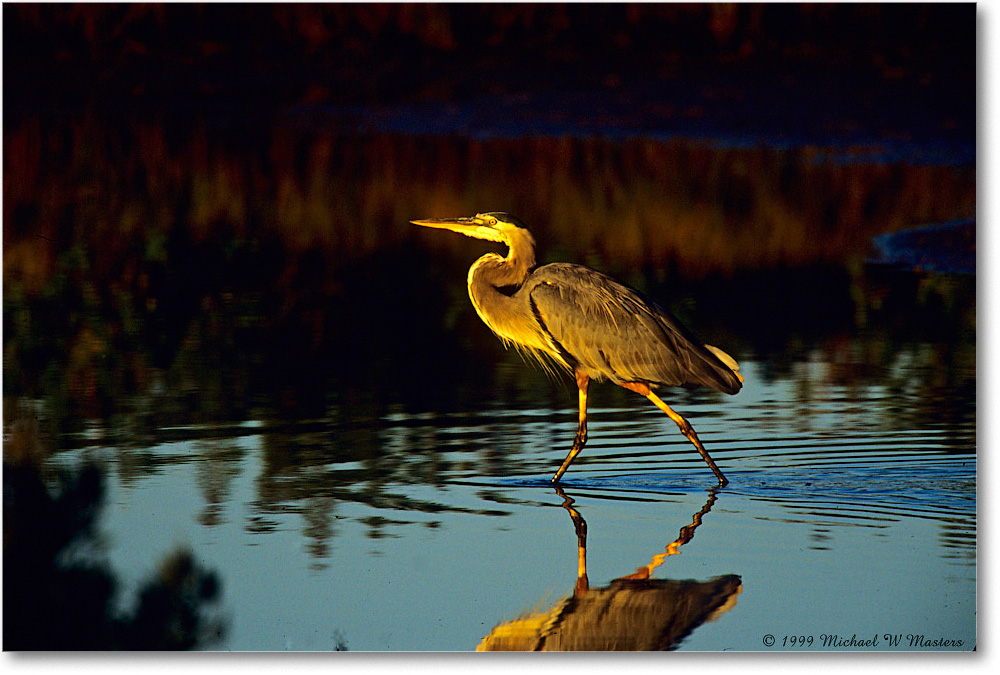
<point>632,613</point>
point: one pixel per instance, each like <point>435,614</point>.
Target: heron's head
<point>500,227</point>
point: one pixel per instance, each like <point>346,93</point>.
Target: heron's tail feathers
<point>726,359</point>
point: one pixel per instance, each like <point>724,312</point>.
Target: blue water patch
<point>948,248</point>
<point>664,111</point>
<point>927,488</point>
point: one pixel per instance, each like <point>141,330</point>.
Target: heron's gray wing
<point>612,331</point>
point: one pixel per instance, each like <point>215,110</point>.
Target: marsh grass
<point>283,257</point>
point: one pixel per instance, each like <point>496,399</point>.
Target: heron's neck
<point>493,281</point>
<point>505,275</point>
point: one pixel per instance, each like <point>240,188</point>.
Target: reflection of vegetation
<point>156,277</point>
<point>59,595</point>
<point>166,269</point>
<point>135,256</point>
<point>306,471</point>
<point>216,471</point>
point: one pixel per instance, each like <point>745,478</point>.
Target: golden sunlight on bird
<point>587,323</point>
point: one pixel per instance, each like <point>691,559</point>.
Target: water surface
<point>243,396</point>
<point>850,512</point>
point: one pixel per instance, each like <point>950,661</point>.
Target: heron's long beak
<point>470,227</point>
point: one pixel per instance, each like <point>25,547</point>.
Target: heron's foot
<point>578,443</point>
<point>689,432</point>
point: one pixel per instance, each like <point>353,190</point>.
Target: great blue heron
<point>588,323</point>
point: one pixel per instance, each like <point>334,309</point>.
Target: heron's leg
<point>683,425</point>
<point>582,382</point>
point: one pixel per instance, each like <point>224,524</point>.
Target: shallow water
<point>224,428</point>
<point>849,513</point>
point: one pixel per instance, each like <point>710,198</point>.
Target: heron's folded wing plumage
<point>614,332</point>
